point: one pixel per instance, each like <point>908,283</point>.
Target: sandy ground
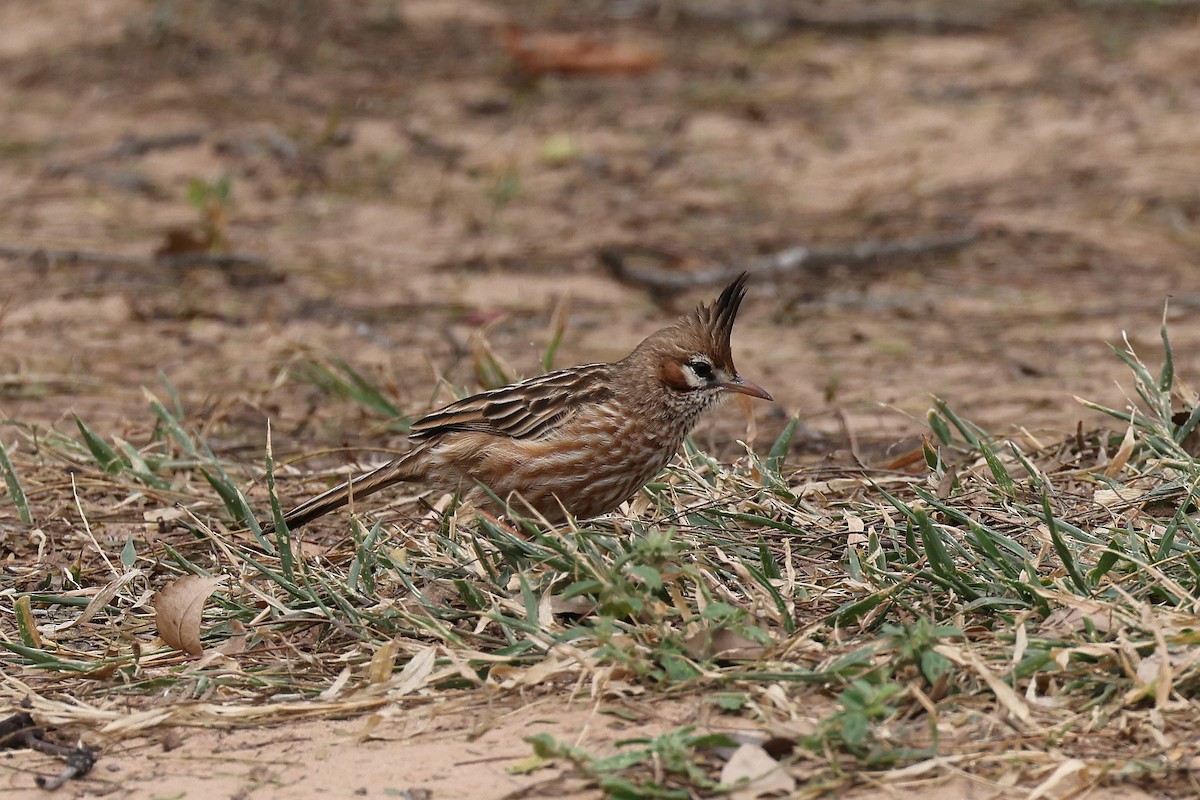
<point>424,754</point>
<point>398,173</point>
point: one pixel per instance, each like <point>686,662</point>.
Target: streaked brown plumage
<point>581,440</point>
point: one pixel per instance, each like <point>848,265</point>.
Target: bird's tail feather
<point>405,468</point>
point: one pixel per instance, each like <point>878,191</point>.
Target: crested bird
<point>573,442</point>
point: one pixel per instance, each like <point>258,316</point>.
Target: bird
<point>575,442</point>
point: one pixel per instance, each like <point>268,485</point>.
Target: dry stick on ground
<point>223,261</point>
<point>19,730</point>
<point>861,19</point>
<point>1135,5</point>
<point>785,261</point>
<point>128,147</point>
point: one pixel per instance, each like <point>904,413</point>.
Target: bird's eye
<point>703,369</point>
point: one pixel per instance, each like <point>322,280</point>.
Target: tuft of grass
<point>662,766</point>
<point>342,380</point>
<point>15,491</point>
<point>212,200</point>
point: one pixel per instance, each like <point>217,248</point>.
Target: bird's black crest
<point>717,319</point>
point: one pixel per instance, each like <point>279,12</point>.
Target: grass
<point>1012,608</point>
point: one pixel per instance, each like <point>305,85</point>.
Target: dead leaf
<point>99,601</point>
<point>416,673</point>
<point>1150,669</point>
<point>1110,498</point>
<point>1121,457</point>
<point>1063,622</point>
<point>1020,644</point>
<point>911,460</point>
<point>510,677</point>
<point>759,774</point>
<point>177,611</point>
<point>383,662</point>
<point>577,606</point>
<point>1065,770</point>
<point>945,486</point>
<point>334,689</point>
<point>235,645</point>
<point>539,53</point>
<point>177,241</point>
<point>1004,694</point>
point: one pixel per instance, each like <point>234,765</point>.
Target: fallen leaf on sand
<point>760,774</point>
<point>177,610</point>
<point>538,53</point>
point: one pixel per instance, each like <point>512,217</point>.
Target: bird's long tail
<point>405,468</point>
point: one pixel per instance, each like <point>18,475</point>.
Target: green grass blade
<point>237,505</point>
<point>779,450</point>
<point>1060,546</point>
<point>1035,478</point>
<point>1181,432</point>
<point>26,627</point>
<point>1166,378</point>
<point>109,459</point>
<point>969,432</point>
<point>173,426</point>
<point>1003,480</point>
<point>15,491</point>
<point>172,395</point>
<point>40,659</point>
<point>939,558</point>
<point>1108,559</point>
<point>368,394</point>
<point>350,384</point>
<point>940,429</point>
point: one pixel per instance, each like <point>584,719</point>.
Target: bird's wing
<point>526,410</point>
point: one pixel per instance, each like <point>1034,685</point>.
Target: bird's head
<point>693,356</point>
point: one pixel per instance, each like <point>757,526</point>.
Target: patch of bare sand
<point>470,755</point>
<point>58,24</point>
<point>454,756</point>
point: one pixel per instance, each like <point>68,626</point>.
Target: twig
<point>41,256</point>
<point>87,528</point>
<point>20,731</point>
<point>218,260</point>
<point>128,147</point>
<point>785,261</point>
<point>861,20</point>
<point>425,144</point>
<point>224,261</point>
<point>80,761</point>
<point>1136,5</point>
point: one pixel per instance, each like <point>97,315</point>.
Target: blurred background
<point>241,200</point>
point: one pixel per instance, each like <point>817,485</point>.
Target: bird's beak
<point>742,386</point>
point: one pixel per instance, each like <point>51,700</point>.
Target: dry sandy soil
<point>410,187</point>
<point>462,756</point>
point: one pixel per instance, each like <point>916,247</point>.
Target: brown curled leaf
<point>177,611</point>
